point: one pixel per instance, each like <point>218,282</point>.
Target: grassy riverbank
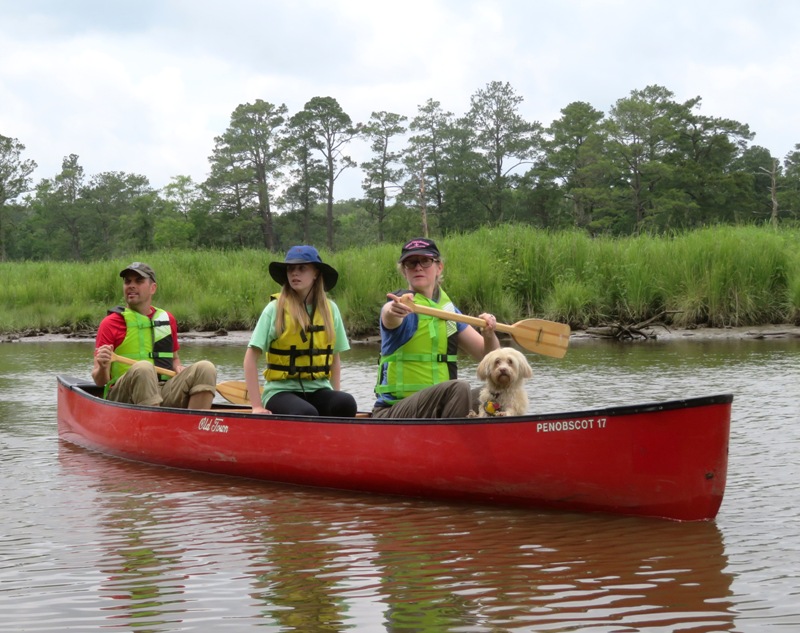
<point>722,276</point>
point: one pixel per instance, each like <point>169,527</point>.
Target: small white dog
<point>504,372</point>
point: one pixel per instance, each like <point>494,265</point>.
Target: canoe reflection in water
<point>191,548</point>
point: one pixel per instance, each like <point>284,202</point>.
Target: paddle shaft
<point>463,318</point>
<point>129,361</point>
<point>453,316</point>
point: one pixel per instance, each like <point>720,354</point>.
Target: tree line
<point>650,164</point>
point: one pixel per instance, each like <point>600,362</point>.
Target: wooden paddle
<point>233,391</point>
<point>535,335</point>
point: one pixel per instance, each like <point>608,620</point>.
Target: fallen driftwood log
<point>622,332</point>
<point>771,334</point>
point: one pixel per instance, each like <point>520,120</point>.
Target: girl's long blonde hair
<point>301,319</point>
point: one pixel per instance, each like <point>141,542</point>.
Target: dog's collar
<point>492,407</point>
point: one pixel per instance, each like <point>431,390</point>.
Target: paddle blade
<point>549,338</point>
<point>234,391</point>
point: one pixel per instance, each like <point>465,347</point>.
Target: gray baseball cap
<point>139,268</point>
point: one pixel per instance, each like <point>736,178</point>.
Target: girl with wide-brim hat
<point>304,255</point>
<point>301,335</point>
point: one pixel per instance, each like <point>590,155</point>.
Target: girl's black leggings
<point>324,402</point>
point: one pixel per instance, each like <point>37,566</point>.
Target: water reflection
<point>141,569</point>
<point>179,546</point>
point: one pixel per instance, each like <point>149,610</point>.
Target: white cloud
<point>144,86</point>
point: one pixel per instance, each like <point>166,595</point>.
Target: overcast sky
<point>144,86</point>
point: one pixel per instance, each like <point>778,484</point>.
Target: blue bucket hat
<point>303,255</point>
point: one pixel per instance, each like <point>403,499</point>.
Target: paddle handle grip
<point>452,316</point>
<point>129,361</point>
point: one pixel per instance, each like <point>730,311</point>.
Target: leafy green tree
<point>756,169</point>
<point>247,160</point>
<point>775,176</point>
<point>307,174</point>
<point>333,129</point>
<point>539,200</point>
<point>231,202</point>
<point>182,194</point>
<point>114,213</point>
<point>641,132</point>
<point>675,168</point>
<point>505,140</point>
<point>789,184</point>
<point>576,160</point>
<point>464,180</point>
<point>703,160</point>
<point>146,209</point>
<point>14,181</point>
<point>424,158</point>
<point>23,240</point>
<point>652,164</point>
<point>181,199</point>
<point>121,210</point>
<point>383,172</point>
<point>60,214</point>
<point>356,224</point>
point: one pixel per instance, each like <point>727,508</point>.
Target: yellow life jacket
<point>301,353</point>
<point>428,358</point>
<point>146,338</point>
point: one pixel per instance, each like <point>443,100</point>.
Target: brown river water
<point>93,543</point>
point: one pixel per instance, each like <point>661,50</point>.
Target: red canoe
<point>666,459</point>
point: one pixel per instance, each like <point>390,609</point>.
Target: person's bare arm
<point>251,356</point>
<point>336,372</point>
<point>101,369</point>
<point>478,344</point>
<point>393,312</point>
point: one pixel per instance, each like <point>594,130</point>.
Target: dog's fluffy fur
<point>504,372</point>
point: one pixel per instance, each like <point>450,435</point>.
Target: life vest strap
<point>293,353</point>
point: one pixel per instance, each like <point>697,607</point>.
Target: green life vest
<point>146,338</point>
<point>428,358</point>
<point>300,353</point>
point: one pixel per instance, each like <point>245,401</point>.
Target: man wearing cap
<point>148,335</point>
<point>418,364</point>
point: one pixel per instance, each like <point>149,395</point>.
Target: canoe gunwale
<point>86,388</point>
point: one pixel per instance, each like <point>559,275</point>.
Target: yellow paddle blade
<point>234,391</point>
<point>540,336</point>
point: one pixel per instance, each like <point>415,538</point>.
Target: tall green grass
<point>717,276</point>
<point>365,276</point>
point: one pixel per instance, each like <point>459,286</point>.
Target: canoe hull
<point>666,460</point>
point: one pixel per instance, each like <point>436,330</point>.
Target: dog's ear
<point>525,370</point>
<point>483,368</point>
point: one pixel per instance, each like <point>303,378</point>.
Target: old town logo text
<point>214,425</point>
